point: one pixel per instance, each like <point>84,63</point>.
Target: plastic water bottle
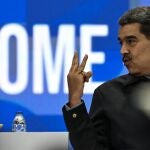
<point>19,123</point>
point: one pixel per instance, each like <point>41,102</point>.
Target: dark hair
<point>139,15</point>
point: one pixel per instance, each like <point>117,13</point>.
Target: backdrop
<point>37,42</point>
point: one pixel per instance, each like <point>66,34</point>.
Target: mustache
<point>126,57</point>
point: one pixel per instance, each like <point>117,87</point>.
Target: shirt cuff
<point>70,108</point>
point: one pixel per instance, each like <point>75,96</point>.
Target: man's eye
<point>131,41</point>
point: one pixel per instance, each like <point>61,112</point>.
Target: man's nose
<point>124,49</point>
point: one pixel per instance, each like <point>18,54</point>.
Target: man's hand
<point>76,79</point>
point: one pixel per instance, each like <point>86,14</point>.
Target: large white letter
<point>87,32</point>
<point>20,34</point>
<point>51,63</point>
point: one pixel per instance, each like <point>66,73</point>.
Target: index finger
<point>75,61</point>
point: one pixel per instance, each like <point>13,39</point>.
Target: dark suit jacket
<point>115,121</point>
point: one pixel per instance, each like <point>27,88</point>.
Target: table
<point>34,141</point>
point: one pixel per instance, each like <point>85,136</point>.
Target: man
<point>116,120</point>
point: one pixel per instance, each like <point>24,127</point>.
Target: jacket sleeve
<point>88,131</point>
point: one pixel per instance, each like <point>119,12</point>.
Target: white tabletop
<point>33,141</point>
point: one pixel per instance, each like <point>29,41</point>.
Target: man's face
<point>135,49</point>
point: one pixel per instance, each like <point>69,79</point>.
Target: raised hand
<point>76,79</point>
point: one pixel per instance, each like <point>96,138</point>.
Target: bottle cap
<point>19,112</point>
